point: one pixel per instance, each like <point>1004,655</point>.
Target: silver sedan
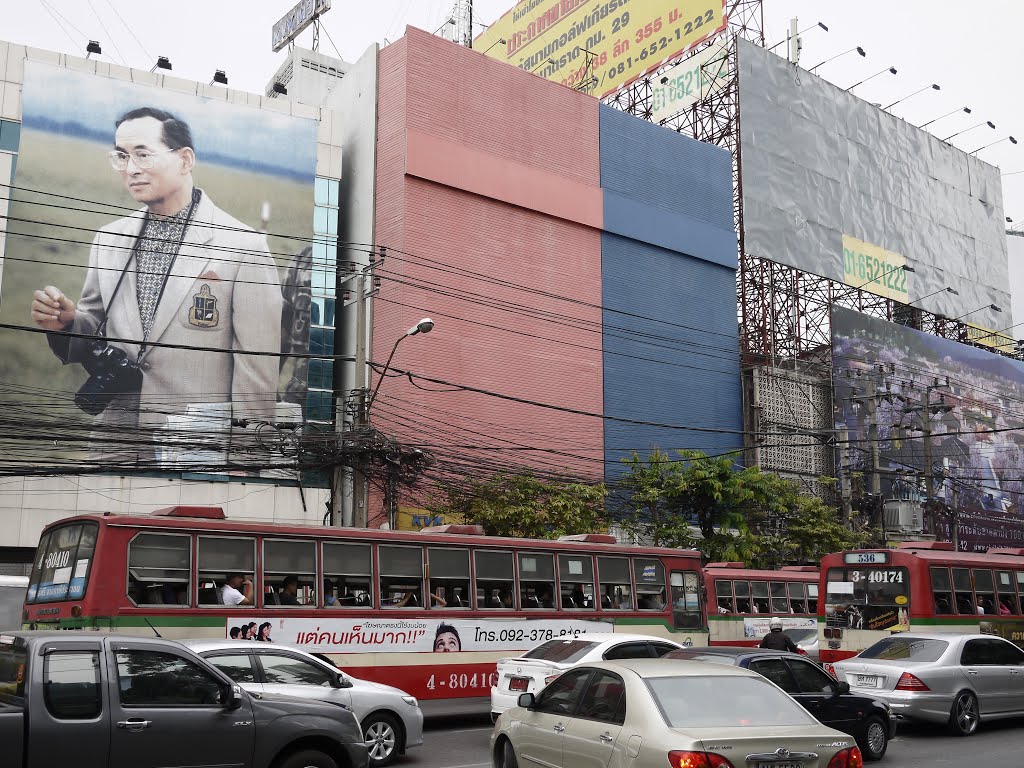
<point>649,713</point>
<point>943,678</point>
<point>391,719</point>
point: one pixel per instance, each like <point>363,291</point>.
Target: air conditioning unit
<point>904,516</point>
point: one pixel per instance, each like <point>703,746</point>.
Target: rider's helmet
<point>775,625</point>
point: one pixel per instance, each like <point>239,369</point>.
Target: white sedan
<point>391,719</point>
<point>653,713</point>
<point>540,665</point>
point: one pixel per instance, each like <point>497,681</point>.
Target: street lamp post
<point>426,325</point>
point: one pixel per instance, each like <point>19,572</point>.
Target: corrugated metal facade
<point>514,209</point>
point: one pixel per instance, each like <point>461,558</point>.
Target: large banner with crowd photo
<point>156,265</point>
<point>972,400</point>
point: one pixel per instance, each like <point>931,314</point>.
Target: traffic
<point>578,649</point>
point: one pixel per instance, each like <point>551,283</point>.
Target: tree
<point>508,504</point>
<point>813,529</point>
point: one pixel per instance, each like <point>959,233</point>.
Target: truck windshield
<point>62,563</point>
<point>12,671</point>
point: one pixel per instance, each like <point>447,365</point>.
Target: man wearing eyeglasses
<point>179,272</point>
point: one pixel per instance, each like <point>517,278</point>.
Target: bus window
<point>495,579</point>
<point>797,595</point>
<point>536,580</point>
<point>219,557</point>
<point>159,567</point>
<point>401,577</point>
<point>650,584</point>
<point>963,591</point>
<point>780,603</point>
<point>723,594</point>
<point>62,563</point>
<point>812,598</point>
<point>449,577</point>
<point>576,576</point>
<point>347,575</point>
<point>686,612</point>
<point>984,589</point>
<point>1007,604</point>
<point>742,596</point>
<point>759,596</point>
<point>942,593</point>
<point>616,592</point>
<point>289,572</point>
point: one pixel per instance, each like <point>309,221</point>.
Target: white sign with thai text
<point>760,628</point>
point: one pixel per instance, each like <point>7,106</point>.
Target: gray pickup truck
<point>110,701</point>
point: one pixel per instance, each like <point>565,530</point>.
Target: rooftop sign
<point>295,21</point>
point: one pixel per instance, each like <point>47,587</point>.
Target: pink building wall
<point>485,171</point>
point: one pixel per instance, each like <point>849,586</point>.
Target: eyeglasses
<point>142,158</point>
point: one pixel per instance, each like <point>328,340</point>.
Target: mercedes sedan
<point>649,713</point>
<point>391,719</point>
<point>942,678</point>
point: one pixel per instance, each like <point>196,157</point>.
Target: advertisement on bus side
<point>758,627</point>
<point>413,635</point>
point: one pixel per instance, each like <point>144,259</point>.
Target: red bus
<point>741,601</point>
<point>927,586</point>
<point>378,602</point>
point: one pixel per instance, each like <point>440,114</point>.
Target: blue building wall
<point>668,269</point>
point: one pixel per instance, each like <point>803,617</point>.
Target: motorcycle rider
<point>776,639</point>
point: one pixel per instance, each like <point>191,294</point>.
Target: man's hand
<point>52,310</point>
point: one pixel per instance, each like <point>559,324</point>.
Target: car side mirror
<point>525,700</point>
<point>340,681</point>
<point>841,687</point>
<point>231,696</point>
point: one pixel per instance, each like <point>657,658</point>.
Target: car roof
<point>618,637</point>
<point>730,650</point>
<point>648,668</point>
<point>209,644</point>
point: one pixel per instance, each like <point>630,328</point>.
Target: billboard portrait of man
<point>177,313</point>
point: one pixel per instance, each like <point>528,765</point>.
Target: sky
<point>973,56</point>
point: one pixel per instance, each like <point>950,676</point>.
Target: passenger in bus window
<point>230,593</point>
<point>330,601</point>
<point>506,599</point>
<point>289,594</point>
<point>1004,610</point>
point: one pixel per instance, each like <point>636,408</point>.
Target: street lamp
<point>933,86</point>
<point>965,110</point>
<point>890,70</point>
<point>999,141</point>
<point>858,49</point>
<point>989,123</point>
<point>426,325</point>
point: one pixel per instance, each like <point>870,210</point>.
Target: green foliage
<point>507,504</point>
<point>727,512</point>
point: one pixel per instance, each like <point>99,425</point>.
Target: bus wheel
<point>380,732</point>
<point>876,739</point>
<point>964,716</point>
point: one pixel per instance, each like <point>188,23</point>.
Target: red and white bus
<point>871,593</point>
<point>363,594</point>
<point>741,601</point>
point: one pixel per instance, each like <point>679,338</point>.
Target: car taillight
<point>678,759</point>
<point>909,682</point>
<point>801,651</point>
<point>847,758</point>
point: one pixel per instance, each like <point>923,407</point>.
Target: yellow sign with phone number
<point>874,269</point>
<point>599,46</point>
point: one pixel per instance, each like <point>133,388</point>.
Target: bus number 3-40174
<point>878,577</point>
<point>456,681</point>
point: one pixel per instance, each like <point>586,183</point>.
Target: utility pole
<point>929,478</point>
<point>955,517</point>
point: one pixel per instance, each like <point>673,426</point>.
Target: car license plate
<point>867,681</point>
<point>780,765</point>
<point>518,683</point>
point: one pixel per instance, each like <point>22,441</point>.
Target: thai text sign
<point>758,627</point>
<point>599,45</point>
<point>874,269</point>
<point>398,635</point>
<point>688,82</point>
